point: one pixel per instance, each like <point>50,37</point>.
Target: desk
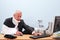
<point>26,37</point>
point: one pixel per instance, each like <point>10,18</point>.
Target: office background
<point>33,10</point>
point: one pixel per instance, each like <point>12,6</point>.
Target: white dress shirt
<point>7,30</point>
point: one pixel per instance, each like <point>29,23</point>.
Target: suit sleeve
<point>28,28</point>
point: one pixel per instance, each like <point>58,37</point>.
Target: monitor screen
<point>57,24</point>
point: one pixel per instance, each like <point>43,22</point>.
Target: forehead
<point>18,14</point>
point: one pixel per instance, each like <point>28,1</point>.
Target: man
<point>15,24</point>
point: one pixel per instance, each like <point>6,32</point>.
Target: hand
<point>19,33</point>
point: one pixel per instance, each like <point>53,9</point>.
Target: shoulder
<point>22,20</point>
<point>8,19</point>
<point>8,22</point>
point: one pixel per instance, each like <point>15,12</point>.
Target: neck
<point>15,20</point>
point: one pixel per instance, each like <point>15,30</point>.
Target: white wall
<point>33,10</point>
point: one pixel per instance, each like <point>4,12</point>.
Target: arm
<point>7,30</point>
<point>27,28</point>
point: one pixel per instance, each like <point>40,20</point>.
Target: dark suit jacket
<point>28,30</point>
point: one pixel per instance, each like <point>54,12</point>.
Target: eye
<point>20,16</point>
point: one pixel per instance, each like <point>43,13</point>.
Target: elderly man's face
<point>18,16</point>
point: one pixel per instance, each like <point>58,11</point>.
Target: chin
<point>18,20</point>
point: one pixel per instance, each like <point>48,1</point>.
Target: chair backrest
<point>57,24</point>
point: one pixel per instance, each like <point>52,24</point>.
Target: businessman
<point>15,25</point>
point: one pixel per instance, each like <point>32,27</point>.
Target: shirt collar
<point>15,21</point>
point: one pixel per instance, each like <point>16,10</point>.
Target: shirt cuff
<point>33,32</point>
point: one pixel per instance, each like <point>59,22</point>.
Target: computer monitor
<point>57,24</point>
